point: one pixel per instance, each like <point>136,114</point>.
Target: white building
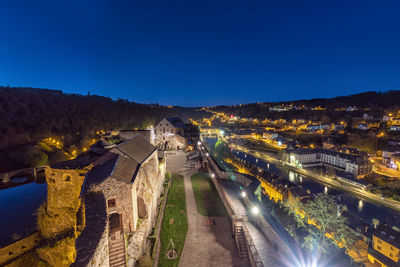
<point>308,157</point>
<point>395,128</point>
<point>169,134</point>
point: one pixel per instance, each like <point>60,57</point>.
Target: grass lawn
<point>208,202</point>
<point>174,223</point>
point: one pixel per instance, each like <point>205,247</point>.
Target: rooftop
<point>388,235</point>
<point>176,122</point>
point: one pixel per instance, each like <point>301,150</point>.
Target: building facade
<point>356,165</point>
<point>169,134</point>
<point>385,247</point>
<point>130,178</point>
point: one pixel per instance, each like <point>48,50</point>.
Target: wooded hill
<point>28,114</point>
<point>375,103</point>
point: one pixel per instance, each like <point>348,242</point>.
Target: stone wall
<point>122,193</point>
<point>63,202</point>
<point>18,248</point>
<point>100,256</point>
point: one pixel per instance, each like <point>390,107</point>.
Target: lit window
<point>392,237</point>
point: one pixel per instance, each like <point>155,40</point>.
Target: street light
<point>255,210</point>
<point>243,194</point>
<point>207,154</point>
<point>212,175</point>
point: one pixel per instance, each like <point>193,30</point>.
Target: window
<point>111,203</point>
<point>163,138</point>
<point>164,130</point>
<point>391,237</point>
<point>379,247</point>
<point>379,241</point>
<point>391,255</point>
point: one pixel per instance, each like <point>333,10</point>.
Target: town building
<point>169,134</point>
<point>385,249</point>
<point>395,128</point>
<point>357,165</point>
<point>395,161</point>
<point>387,155</point>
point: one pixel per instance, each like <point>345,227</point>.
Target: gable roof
<point>137,148</point>
<point>123,162</point>
<point>176,122</point>
<point>125,169</point>
<point>99,172</point>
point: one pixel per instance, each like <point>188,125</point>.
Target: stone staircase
<point>241,242</point>
<point>116,248</point>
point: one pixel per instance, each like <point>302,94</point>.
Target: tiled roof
<point>125,169</point>
<point>176,122</point>
<point>100,172</point>
<point>137,148</point>
<point>122,162</point>
<point>388,235</point>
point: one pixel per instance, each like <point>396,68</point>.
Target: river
<point>357,207</point>
<point>18,205</point>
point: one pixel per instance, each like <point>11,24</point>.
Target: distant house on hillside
<point>169,134</point>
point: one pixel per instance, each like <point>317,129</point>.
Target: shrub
<point>145,261</point>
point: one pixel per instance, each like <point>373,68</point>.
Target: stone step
<point>117,246</point>
<point>116,255</point>
<point>118,261</point>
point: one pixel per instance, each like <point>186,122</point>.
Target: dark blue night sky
<point>201,52</point>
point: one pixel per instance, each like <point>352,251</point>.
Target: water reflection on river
<point>17,208</point>
<point>358,207</point>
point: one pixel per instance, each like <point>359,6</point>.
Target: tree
<point>326,217</point>
<point>35,157</point>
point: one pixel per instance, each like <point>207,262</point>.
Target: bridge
<point>6,177</point>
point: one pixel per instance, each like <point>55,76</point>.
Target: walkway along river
<point>357,207</point>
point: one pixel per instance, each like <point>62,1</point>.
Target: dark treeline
<point>376,103</point>
<point>27,114</point>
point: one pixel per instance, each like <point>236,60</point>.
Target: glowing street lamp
<point>243,194</point>
<point>212,175</point>
<point>255,210</point>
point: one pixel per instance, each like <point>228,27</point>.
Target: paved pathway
<point>204,245</point>
<point>265,246</point>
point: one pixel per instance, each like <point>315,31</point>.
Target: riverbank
<point>392,204</point>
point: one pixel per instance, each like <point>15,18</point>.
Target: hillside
<point>28,114</point>
<point>372,102</point>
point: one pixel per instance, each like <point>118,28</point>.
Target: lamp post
<point>255,210</point>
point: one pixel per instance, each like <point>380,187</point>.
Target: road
<point>325,180</point>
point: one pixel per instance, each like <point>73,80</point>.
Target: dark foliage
<point>28,114</point>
